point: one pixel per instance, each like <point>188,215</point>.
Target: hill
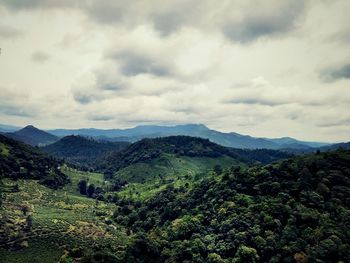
<point>148,149</point>
<point>20,161</point>
<point>293,211</point>
<point>32,136</point>
<point>82,151</point>
<point>231,139</point>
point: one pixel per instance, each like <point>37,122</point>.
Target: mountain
<point>82,151</point>
<point>231,139</point>
<point>21,161</point>
<point>336,146</point>
<point>284,142</point>
<point>162,154</point>
<point>32,136</point>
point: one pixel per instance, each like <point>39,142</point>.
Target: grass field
<point>147,179</point>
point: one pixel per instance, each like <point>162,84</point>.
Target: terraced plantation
<point>41,223</point>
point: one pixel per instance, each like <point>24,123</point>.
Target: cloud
<point>42,4</point>
<point>242,66</point>
<point>15,102</point>
<point>264,19</point>
<point>257,101</point>
<point>238,20</point>
<point>9,32</point>
<point>133,64</point>
<point>332,75</point>
<point>40,56</point>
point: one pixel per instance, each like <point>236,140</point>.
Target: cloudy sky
<point>265,68</point>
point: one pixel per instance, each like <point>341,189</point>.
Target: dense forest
<point>21,161</point>
<point>295,211</point>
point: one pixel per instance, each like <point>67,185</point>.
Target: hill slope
<point>81,150</point>
<point>32,136</point>
<point>18,160</point>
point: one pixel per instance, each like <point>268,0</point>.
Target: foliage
<point>20,161</point>
<point>296,210</point>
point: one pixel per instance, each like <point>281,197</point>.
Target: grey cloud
<point>82,98</point>
<point>257,101</point>
<point>16,111</point>
<point>111,86</point>
<point>133,64</point>
<point>343,122</point>
<point>332,75</point>
<point>31,4</point>
<point>105,11</point>
<point>259,18</point>
<point>167,23</point>
<point>101,118</point>
<point>40,56</point>
<point>256,25</point>
<point>9,32</point>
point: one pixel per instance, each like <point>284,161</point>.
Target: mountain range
<point>34,136</point>
<point>230,139</point>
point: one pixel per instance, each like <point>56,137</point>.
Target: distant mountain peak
<point>30,127</point>
<point>33,136</point>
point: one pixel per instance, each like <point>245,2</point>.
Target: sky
<point>266,68</point>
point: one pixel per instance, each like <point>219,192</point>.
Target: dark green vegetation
<point>180,146</point>
<point>294,211</point>
<point>21,161</point>
<point>178,199</point>
<point>150,165</point>
<point>82,151</point>
<point>32,136</point>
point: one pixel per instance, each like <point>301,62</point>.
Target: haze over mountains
<point>231,139</point>
<point>34,136</point>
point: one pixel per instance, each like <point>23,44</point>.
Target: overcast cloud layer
<point>265,68</point>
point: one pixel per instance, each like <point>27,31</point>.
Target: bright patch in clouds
<point>265,68</point>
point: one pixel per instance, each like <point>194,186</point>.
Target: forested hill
<point>295,211</point>
<point>21,161</point>
<point>82,151</point>
<point>148,149</point>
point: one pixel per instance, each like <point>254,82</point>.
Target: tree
<point>246,254</point>
<point>218,169</point>
<point>91,190</point>
<point>82,185</point>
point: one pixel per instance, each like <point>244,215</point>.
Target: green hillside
<point>21,161</point>
<point>182,146</point>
